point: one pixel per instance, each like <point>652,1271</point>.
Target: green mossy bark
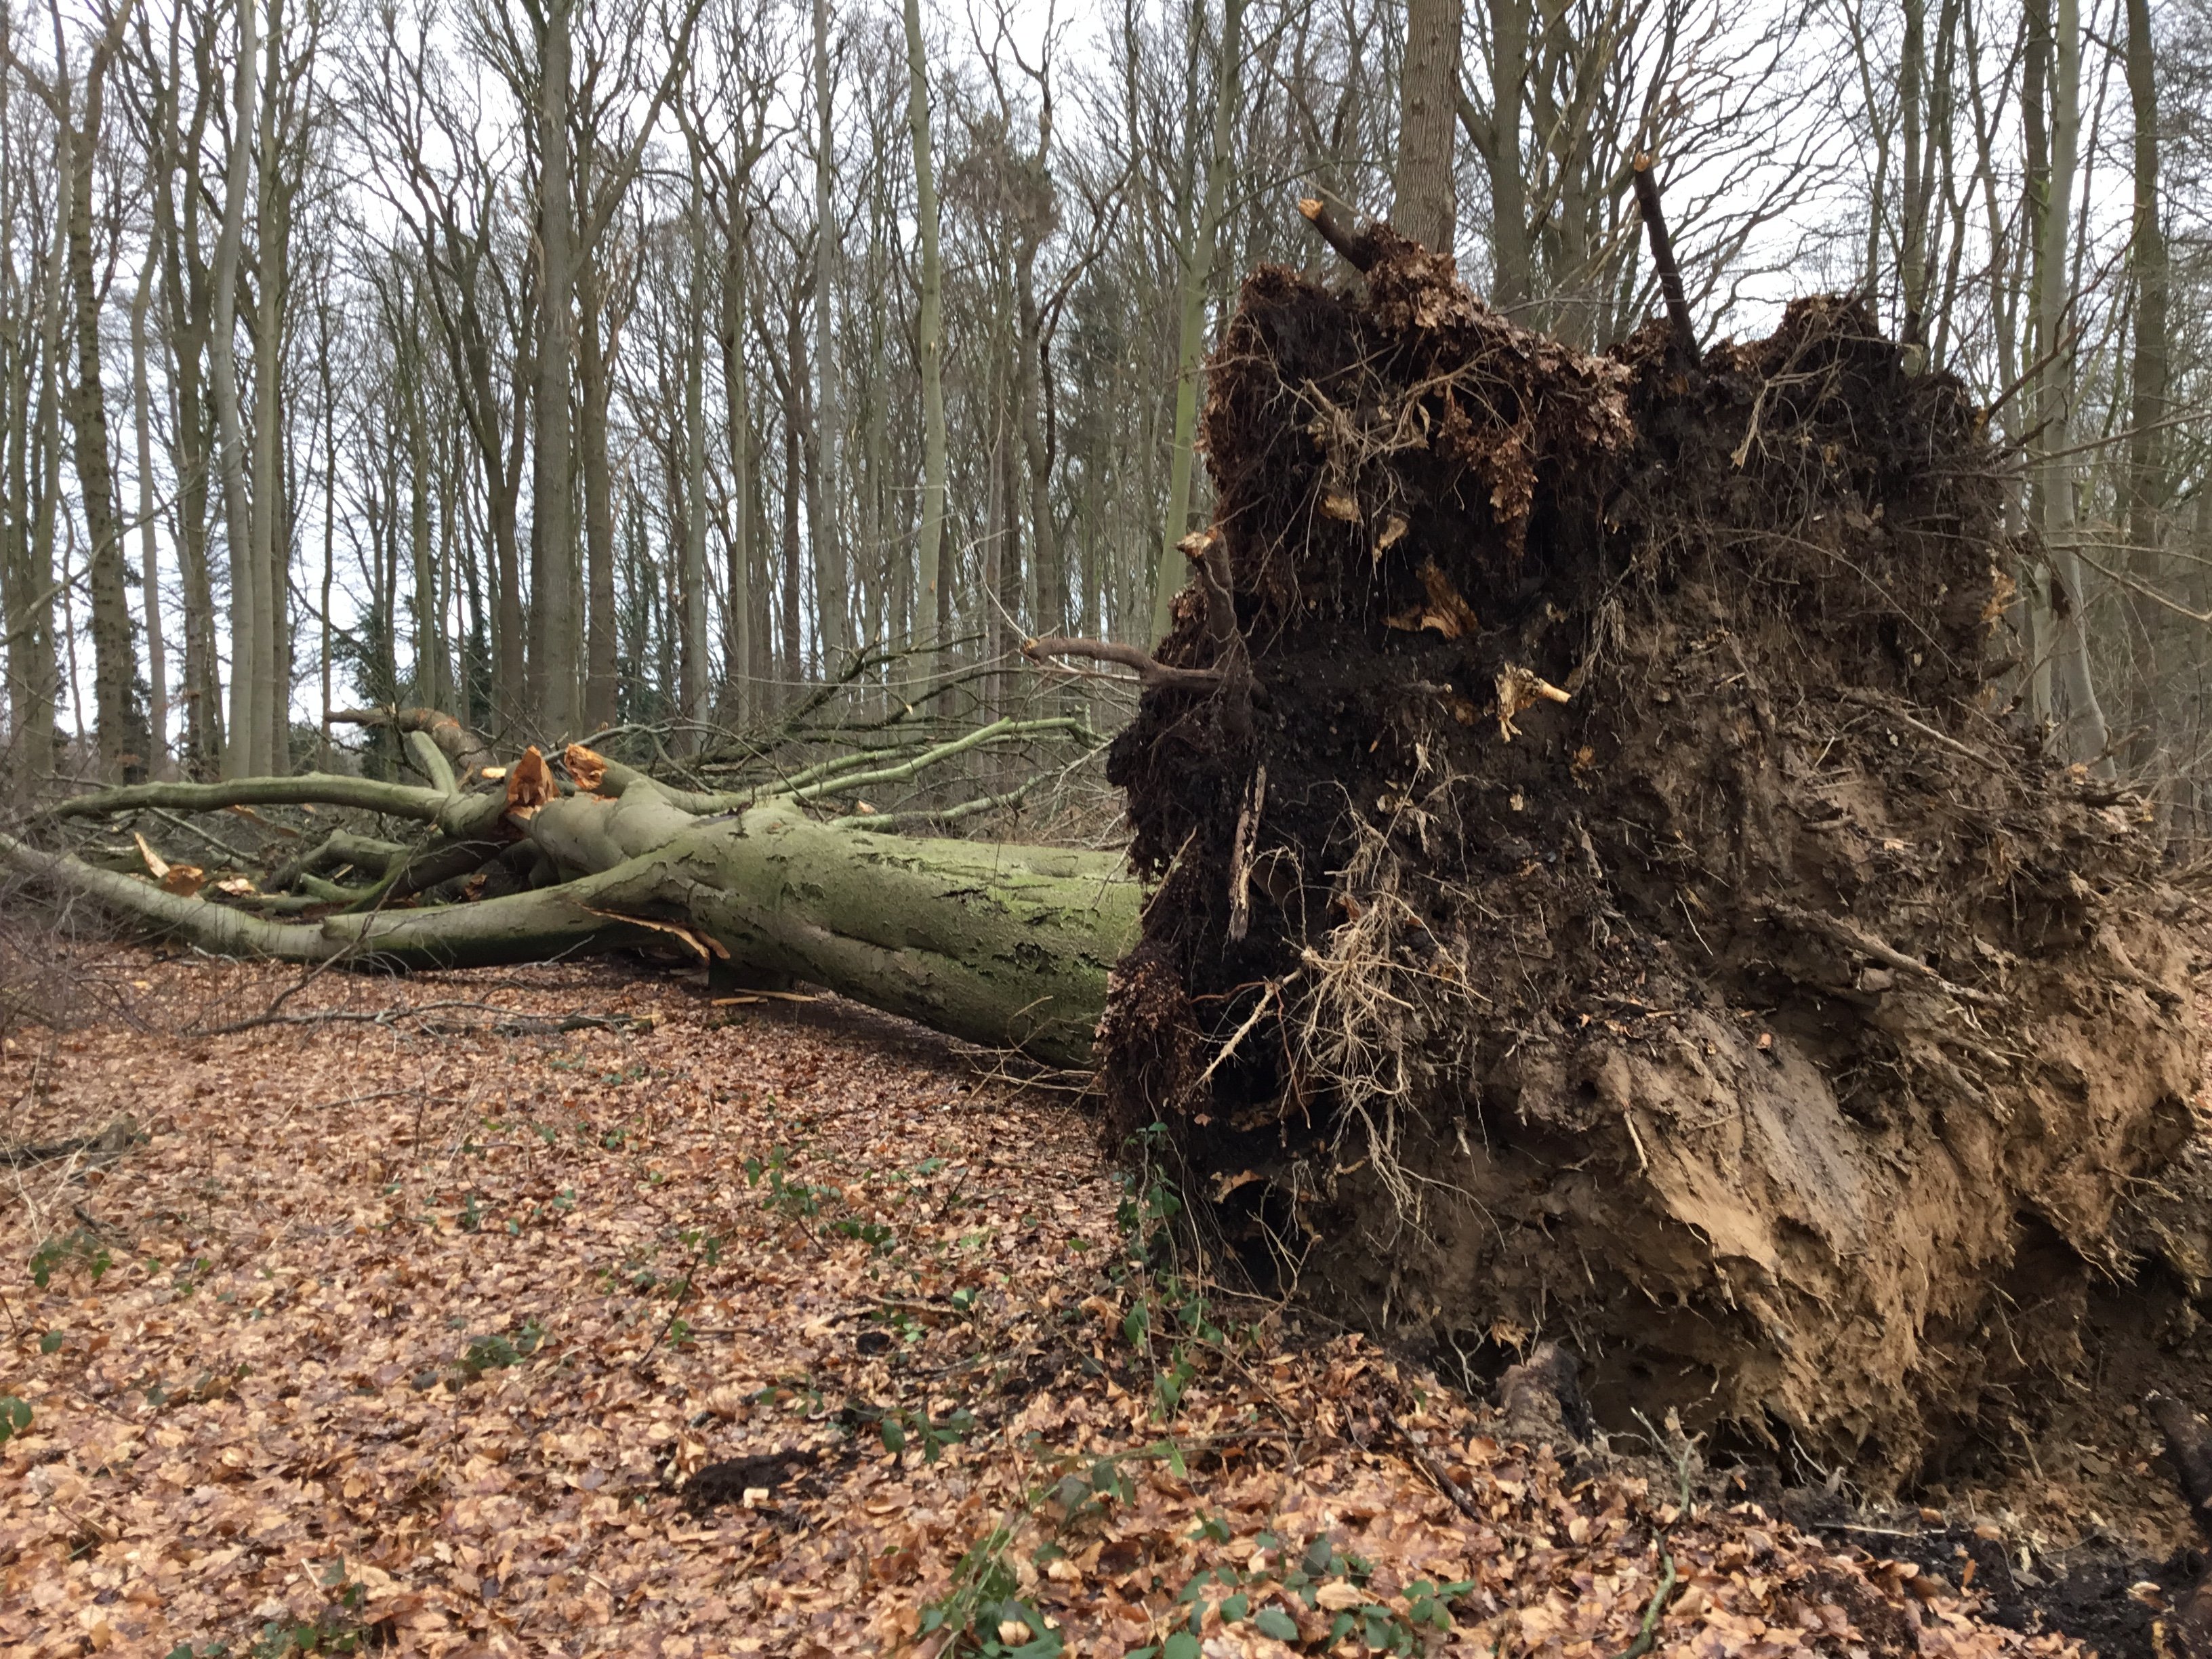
<point>1007,946</point>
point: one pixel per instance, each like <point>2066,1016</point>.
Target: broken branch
<point>1662,256</point>
<point>1153,674</point>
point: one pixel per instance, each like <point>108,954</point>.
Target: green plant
<point>78,1250</point>
<point>1262,1595</point>
<point>1166,1310</point>
<point>338,1628</point>
<point>791,1198</point>
<point>874,1234</point>
<point>496,1353</point>
<point>899,1424</point>
<point>14,1417</point>
<point>984,1616</point>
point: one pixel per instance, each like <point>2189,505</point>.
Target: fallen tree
<point>1599,892</point>
<point>1005,946</point>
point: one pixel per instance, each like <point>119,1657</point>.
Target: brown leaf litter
<point>415,1334</point>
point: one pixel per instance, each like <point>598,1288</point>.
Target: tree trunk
<point>272,596</point>
<point>693,589</point>
<point>1424,204</point>
<point>1497,138</point>
<point>2082,734</point>
<point>738,615</point>
<point>593,327</point>
<point>555,593</point>
<point>829,562</point>
<point>149,561</point>
<point>244,743</point>
<point>121,730</point>
<point>929,336</point>
<point>1198,254</point>
<point>2147,488</point>
<point>27,579</point>
<point>1004,946</point>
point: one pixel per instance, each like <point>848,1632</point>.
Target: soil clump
<point>1604,892</point>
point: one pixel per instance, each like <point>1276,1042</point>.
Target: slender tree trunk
<point>40,723</point>
<point>929,337</point>
<point>430,649</point>
<point>1911,85</point>
<point>185,304</point>
<point>1496,139</point>
<point>737,616</point>
<point>245,743</point>
<point>1048,615</point>
<point>2148,487</point>
<point>330,511</point>
<point>593,325</point>
<point>692,590</point>
<point>829,561</point>
<point>150,549</point>
<point>272,688</point>
<point>2082,734</point>
<point>555,592</point>
<point>120,725</point>
<point>1198,255</point>
<point>27,549</point>
<point>794,419</point>
<point>1424,201</point>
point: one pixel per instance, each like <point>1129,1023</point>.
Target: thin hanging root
<point>1259,1012</point>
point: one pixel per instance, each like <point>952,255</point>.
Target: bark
<point>26,563</point>
<point>187,303</point>
<point>1199,254</point>
<point>2147,489</point>
<point>829,563</point>
<point>693,666</point>
<point>1425,203</point>
<point>1497,138</point>
<point>929,339</point>
<point>271,686</point>
<point>555,593</point>
<point>594,350</point>
<point>430,644</point>
<point>243,741</point>
<point>2082,733</point>
<point>1911,83</point>
<point>149,563</point>
<point>740,633</point>
<point>121,728</point>
<point>1007,946</point>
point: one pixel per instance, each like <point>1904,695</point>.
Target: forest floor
<point>403,1318</point>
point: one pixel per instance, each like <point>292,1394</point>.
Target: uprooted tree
<point>1597,886</point>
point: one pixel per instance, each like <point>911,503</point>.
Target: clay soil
<point>1610,896</point>
<point>414,1321</point>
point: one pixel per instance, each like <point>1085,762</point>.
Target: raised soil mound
<point>1769,1019</point>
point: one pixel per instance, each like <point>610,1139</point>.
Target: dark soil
<point>1770,1020</point>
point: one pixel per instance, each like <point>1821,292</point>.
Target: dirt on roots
<point>1605,894</point>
